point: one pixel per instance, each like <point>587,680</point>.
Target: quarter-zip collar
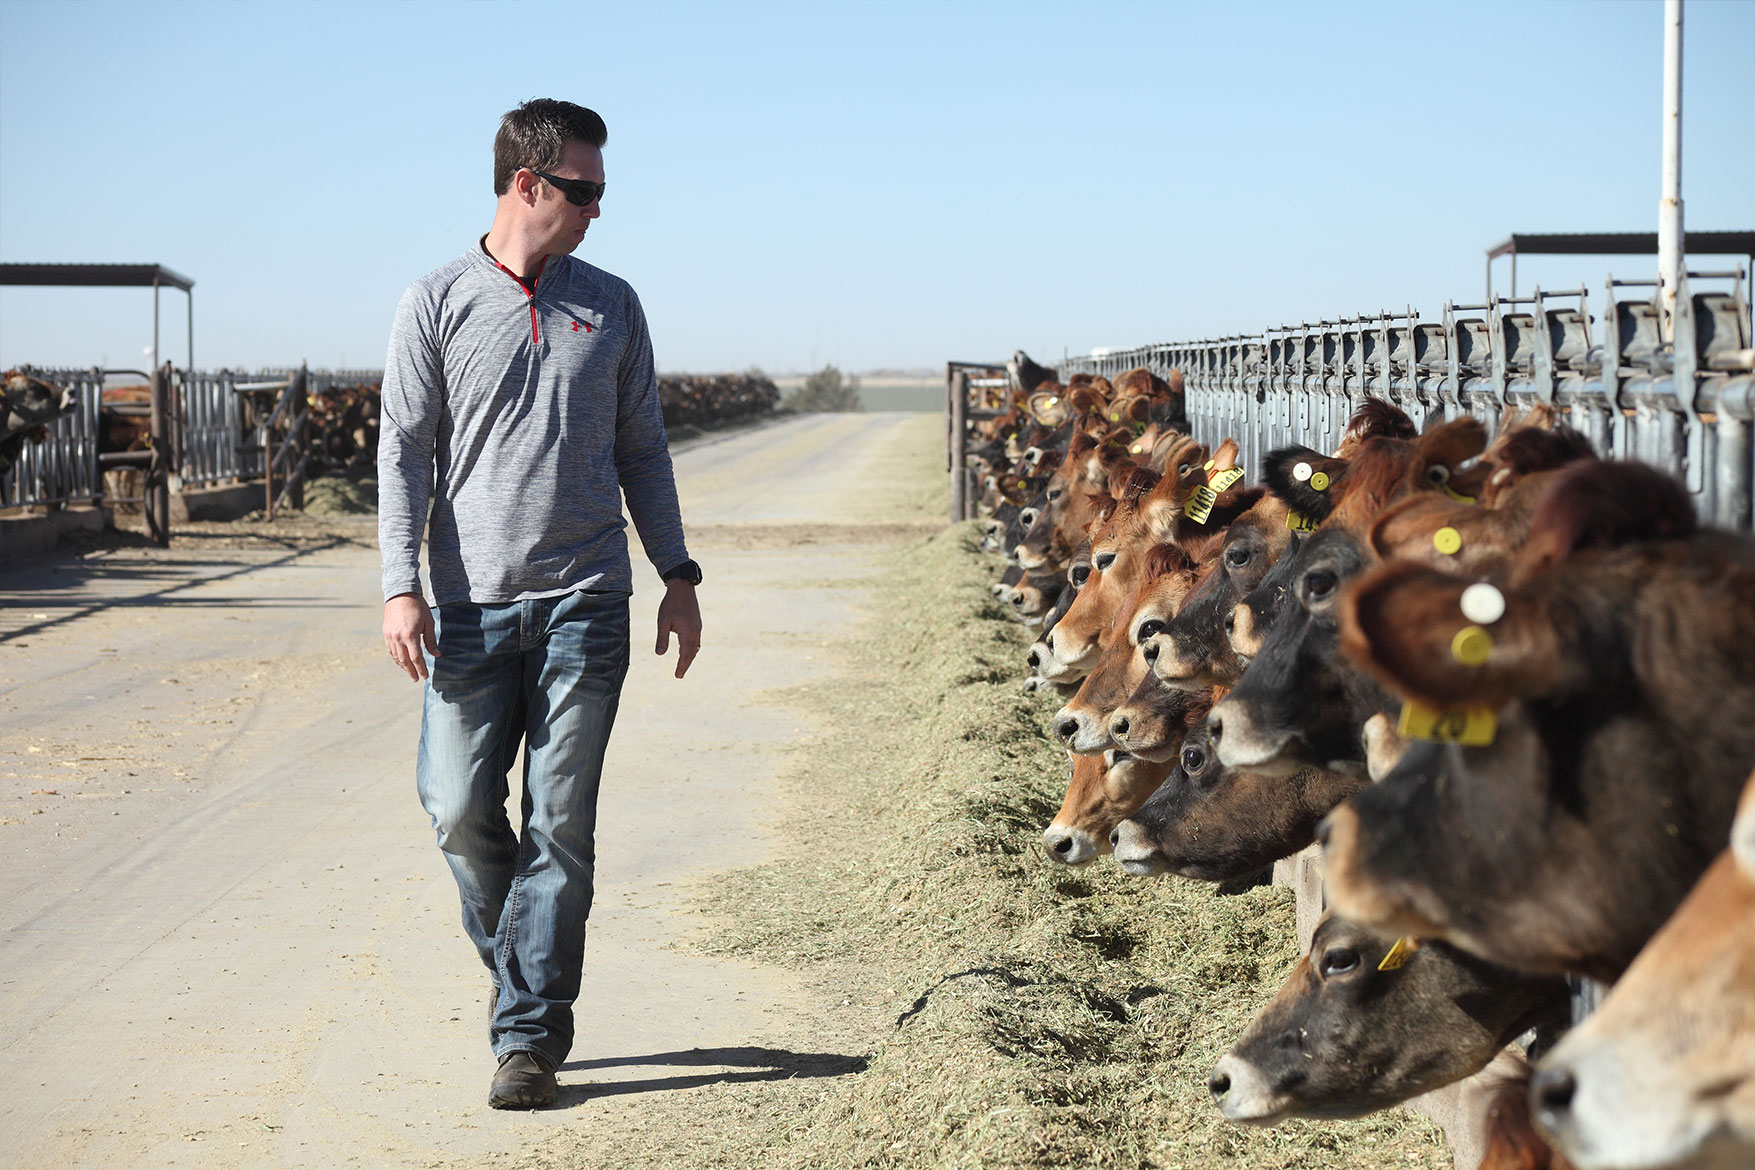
<point>529,290</point>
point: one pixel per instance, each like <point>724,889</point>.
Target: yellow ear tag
<point>1472,646</point>
<point>1299,522</point>
<point>1137,448</point>
<point>1447,540</point>
<point>1470,726</point>
<point>1456,495</point>
<point>1319,481</point>
<point>1052,399</point>
<point>1399,954</point>
<point>1201,499</point>
<point>1115,416</point>
<point>1208,466</point>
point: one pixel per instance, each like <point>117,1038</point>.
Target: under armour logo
<point>578,325</point>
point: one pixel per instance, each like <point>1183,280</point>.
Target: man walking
<point>520,402</point>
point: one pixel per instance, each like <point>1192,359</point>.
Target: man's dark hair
<point>534,134</point>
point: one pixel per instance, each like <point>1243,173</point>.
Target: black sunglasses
<point>579,192</point>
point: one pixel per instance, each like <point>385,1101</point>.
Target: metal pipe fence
<point>65,465</point>
<point>1684,405</point>
<point>218,431</point>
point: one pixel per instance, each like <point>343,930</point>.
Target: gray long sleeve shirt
<point>522,418</point>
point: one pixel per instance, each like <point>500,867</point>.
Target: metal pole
<point>1670,242</point>
<point>158,488</point>
<point>959,433</point>
<point>154,365</point>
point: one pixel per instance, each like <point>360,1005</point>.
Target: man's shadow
<point>762,1064</point>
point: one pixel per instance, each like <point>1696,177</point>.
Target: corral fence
<point>1684,405</point>
<point>200,428</point>
<point>973,391</point>
<point>206,427</point>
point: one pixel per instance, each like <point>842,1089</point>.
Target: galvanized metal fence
<point>218,431</point>
<point>1685,406</point>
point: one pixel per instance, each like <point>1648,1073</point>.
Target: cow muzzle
<point>1243,743</point>
<point>1082,731</point>
<point>1243,1094</point>
<point>1136,852</point>
<point>1068,845</point>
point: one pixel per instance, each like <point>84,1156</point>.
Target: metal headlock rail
<point>1684,405</point>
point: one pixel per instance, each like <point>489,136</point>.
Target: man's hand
<point>680,614</point>
<point>408,625</point>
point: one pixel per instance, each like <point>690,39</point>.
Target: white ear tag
<point>1482,603</point>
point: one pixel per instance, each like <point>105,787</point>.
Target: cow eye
<point>1339,961</point>
<point>1054,493</point>
<point>1237,556</point>
<point>1147,629</point>
<point>1319,584</point>
<point>1078,575</point>
<point>1438,473</point>
<point>1103,561</point>
<point>1193,760</point>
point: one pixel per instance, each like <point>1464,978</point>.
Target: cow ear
<point>1599,503</point>
<point>1437,531</point>
<point>1374,419</point>
<point>1179,456</point>
<point>1743,830</point>
<point>1225,458</point>
<point>1450,445</point>
<point>1307,480</point>
<point>1405,625</point>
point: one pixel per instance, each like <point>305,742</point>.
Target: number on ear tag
<point>1398,955</point>
<point>1470,726</point>
<point>1201,500</point>
<point>1299,522</point>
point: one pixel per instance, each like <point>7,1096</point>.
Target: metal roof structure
<point>1611,244</point>
<point>1620,244</point>
<point>153,276</point>
<point>95,275</point>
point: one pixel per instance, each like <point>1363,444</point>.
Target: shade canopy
<point>95,275</point>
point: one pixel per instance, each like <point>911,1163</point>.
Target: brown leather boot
<point>523,1082</point>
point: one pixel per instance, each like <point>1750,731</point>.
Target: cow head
<point>1563,841</point>
<point>1194,649</point>
<point>1164,577</point>
<point>1101,789</point>
<point>1213,823</point>
<point>1663,1073</point>
<point>1368,1020</point>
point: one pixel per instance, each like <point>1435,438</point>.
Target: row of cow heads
<point>1544,663</point>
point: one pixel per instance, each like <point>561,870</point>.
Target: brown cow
<point>1193,649</point>
<point>1215,824</point>
<point>1299,703</point>
<point>1156,718</point>
<point>1368,1020</point>
<point>1663,1074</point>
<point>1564,842</point>
<point>1165,576</point>
<point>1101,789</point>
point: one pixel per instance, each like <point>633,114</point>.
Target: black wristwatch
<point>687,571</point>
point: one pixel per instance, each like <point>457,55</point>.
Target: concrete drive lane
<point>226,937</point>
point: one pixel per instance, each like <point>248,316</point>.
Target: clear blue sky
<point>869,184</point>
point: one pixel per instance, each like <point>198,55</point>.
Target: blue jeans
<point>547,672</point>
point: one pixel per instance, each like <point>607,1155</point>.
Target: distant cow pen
<point>189,429</point>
